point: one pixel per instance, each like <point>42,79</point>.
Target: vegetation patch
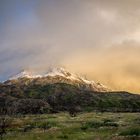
<point>97,124</point>
<point>134,131</point>
<point>61,126</point>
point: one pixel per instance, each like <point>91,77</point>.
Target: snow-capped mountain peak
<point>61,75</point>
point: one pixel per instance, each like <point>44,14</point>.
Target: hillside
<point>60,90</point>
<point>64,97</point>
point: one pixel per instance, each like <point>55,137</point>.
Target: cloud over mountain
<point>97,38</point>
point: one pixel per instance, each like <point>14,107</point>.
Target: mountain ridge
<point>58,75</point>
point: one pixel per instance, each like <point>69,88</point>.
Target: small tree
<point>5,122</point>
<point>45,125</point>
<point>73,110</point>
<point>5,119</point>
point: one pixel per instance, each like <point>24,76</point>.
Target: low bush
<point>97,124</point>
<point>46,125</point>
<point>137,120</point>
<point>108,122</point>
<point>63,136</point>
<point>91,124</point>
<point>28,128</point>
<point>42,125</point>
<point>131,132</point>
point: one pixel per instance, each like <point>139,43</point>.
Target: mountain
<point>56,75</point>
<point>60,90</point>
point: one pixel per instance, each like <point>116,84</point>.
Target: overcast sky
<point>96,38</point>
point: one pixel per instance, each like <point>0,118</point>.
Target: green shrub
<point>28,128</point>
<point>88,109</point>
<point>97,124</point>
<point>108,122</point>
<point>113,124</point>
<point>131,132</point>
<point>42,125</point>
<point>84,127</point>
<point>91,124</point>
<point>137,120</point>
<point>46,125</point>
<point>63,136</point>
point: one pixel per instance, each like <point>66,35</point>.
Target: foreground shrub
<point>42,125</point>
<point>137,120</point>
<point>30,106</point>
<point>91,124</point>
<point>46,125</point>
<point>63,136</point>
<point>108,122</point>
<point>131,132</point>
<point>28,128</point>
<point>97,124</point>
<point>5,124</point>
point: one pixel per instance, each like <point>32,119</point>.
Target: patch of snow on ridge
<point>62,72</point>
<point>23,74</point>
<point>55,71</point>
<point>87,81</point>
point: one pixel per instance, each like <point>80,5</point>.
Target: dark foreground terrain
<point>85,126</point>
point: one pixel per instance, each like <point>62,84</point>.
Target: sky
<point>99,39</point>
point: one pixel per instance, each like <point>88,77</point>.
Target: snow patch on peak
<point>62,72</point>
<point>52,72</point>
<point>87,81</point>
<point>24,74</point>
<point>56,71</point>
